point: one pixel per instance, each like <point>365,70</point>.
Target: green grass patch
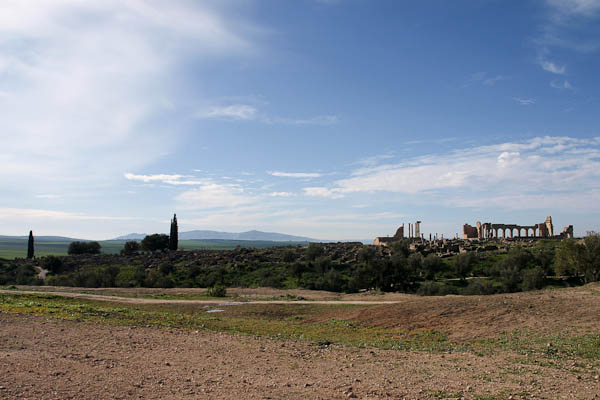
<point>17,248</point>
<point>271,321</point>
<point>558,346</point>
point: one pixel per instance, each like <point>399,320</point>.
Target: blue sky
<point>335,119</point>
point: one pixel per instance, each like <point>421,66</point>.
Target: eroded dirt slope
<point>575,310</point>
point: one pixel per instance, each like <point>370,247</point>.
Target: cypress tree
<point>174,236</point>
<point>30,249</point>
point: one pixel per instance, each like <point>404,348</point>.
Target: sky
<point>333,119</point>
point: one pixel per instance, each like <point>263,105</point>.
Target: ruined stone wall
<point>469,232</point>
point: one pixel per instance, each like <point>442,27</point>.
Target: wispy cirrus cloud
<point>235,112</point>
<point>165,178</point>
<point>484,78</point>
<point>321,191</point>
<point>567,25</point>
<point>524,102</point>
<point>214,195</point>
<point>305,175</point>
<point>318,120</point>
<point>87,103</point>
<point>14,213</point>
<point>205,194</point>
<point>561,84</point>
<point>552,67</point>
<point>281,194</point>
<point>251,112</point>
<point>587,8</point>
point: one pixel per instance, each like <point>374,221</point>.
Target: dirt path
<point>50,359</point>
<point>226,301</point>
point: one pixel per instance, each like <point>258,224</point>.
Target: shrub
<point>131,247</point>
<point>534,278</point>
<point>84,248</point>
<point>166,268</point>
<point>463,265</point>
<point>432,264</point>
<point>154,242</point>
<point>583,259</point>
<point>289,256</point>
<point>479,287</point>
<point>217,291</point>
<point>430,288</point>
<point>313,251</point>
<point>52,263</point>
<point>126,277</point>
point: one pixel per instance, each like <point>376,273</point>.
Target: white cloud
<point>214,195</point>
<point>295,174</point>
<point>566,26</point>
<point>558,167</point>
<point>165,178</point>
<point>323,192</point>
<point>524,102</point>
<point>484,79</point>
<point>82,80</point>
<point>152,178</point>
<point>47,196</point>
<point>318,120</point>
<point>575,7</point>
<point>16,213</point>
<point>236,112</point>
<point>552,67</point>
<point>561,85</point>
<point>491,81</point>
<point>248,112</point>
<point>281,194</point>
<point>373,160</point>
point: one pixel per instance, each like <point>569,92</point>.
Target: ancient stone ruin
<point>494,231</point>
<point>414,231</point>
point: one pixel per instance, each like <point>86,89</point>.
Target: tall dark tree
<point>174,236</point>
<point>156,241</point>
<point>30,248</point>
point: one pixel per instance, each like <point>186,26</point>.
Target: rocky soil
<point>42,358</point>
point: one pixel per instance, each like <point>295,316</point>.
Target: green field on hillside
<point>17,248</point>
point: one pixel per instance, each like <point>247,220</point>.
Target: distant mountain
<point>43,238</point>
<point>131,236</point>
<point>250,235</point>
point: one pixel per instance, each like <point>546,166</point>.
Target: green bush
<point>313,251</point>
<point>84,248</point>
<point>53,264</point>
<point>289,256</point>
<point>430,288</point>
<point>479,287</point>
<point>534,278</point>
<point>130,247</point>
<point>217,291</point>
<point>126,277</point>
<point>583,259</point>
<point>156,241</point>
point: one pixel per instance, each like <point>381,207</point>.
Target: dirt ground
<point>574,311</point>
<point>241,293</point>
<point>49,359</point>
<point>42,358</point>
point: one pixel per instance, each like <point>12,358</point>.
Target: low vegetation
<point>341,267</point>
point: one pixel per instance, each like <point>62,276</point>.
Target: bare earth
<point>43,358</point>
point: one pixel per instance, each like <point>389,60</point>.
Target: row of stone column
<point>489,233</point>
